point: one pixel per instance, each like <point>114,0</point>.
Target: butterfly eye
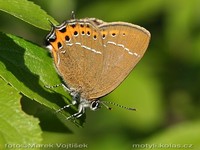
<point>94,105</point>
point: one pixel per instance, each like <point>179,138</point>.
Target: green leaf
<point>29,68</point>
<point>16,127</point>
<point>28,12</point>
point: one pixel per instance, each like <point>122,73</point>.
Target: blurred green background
<point>164,86</point>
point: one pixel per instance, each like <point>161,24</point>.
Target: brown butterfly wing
<point>124,44</point>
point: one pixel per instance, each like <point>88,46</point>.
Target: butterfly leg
<point>76,99</point>
<point>81,111</point>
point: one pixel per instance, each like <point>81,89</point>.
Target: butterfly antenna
<point>73,15</point>
<point>106,106</point>
<point>118,105</point>
<point>51,23</point>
